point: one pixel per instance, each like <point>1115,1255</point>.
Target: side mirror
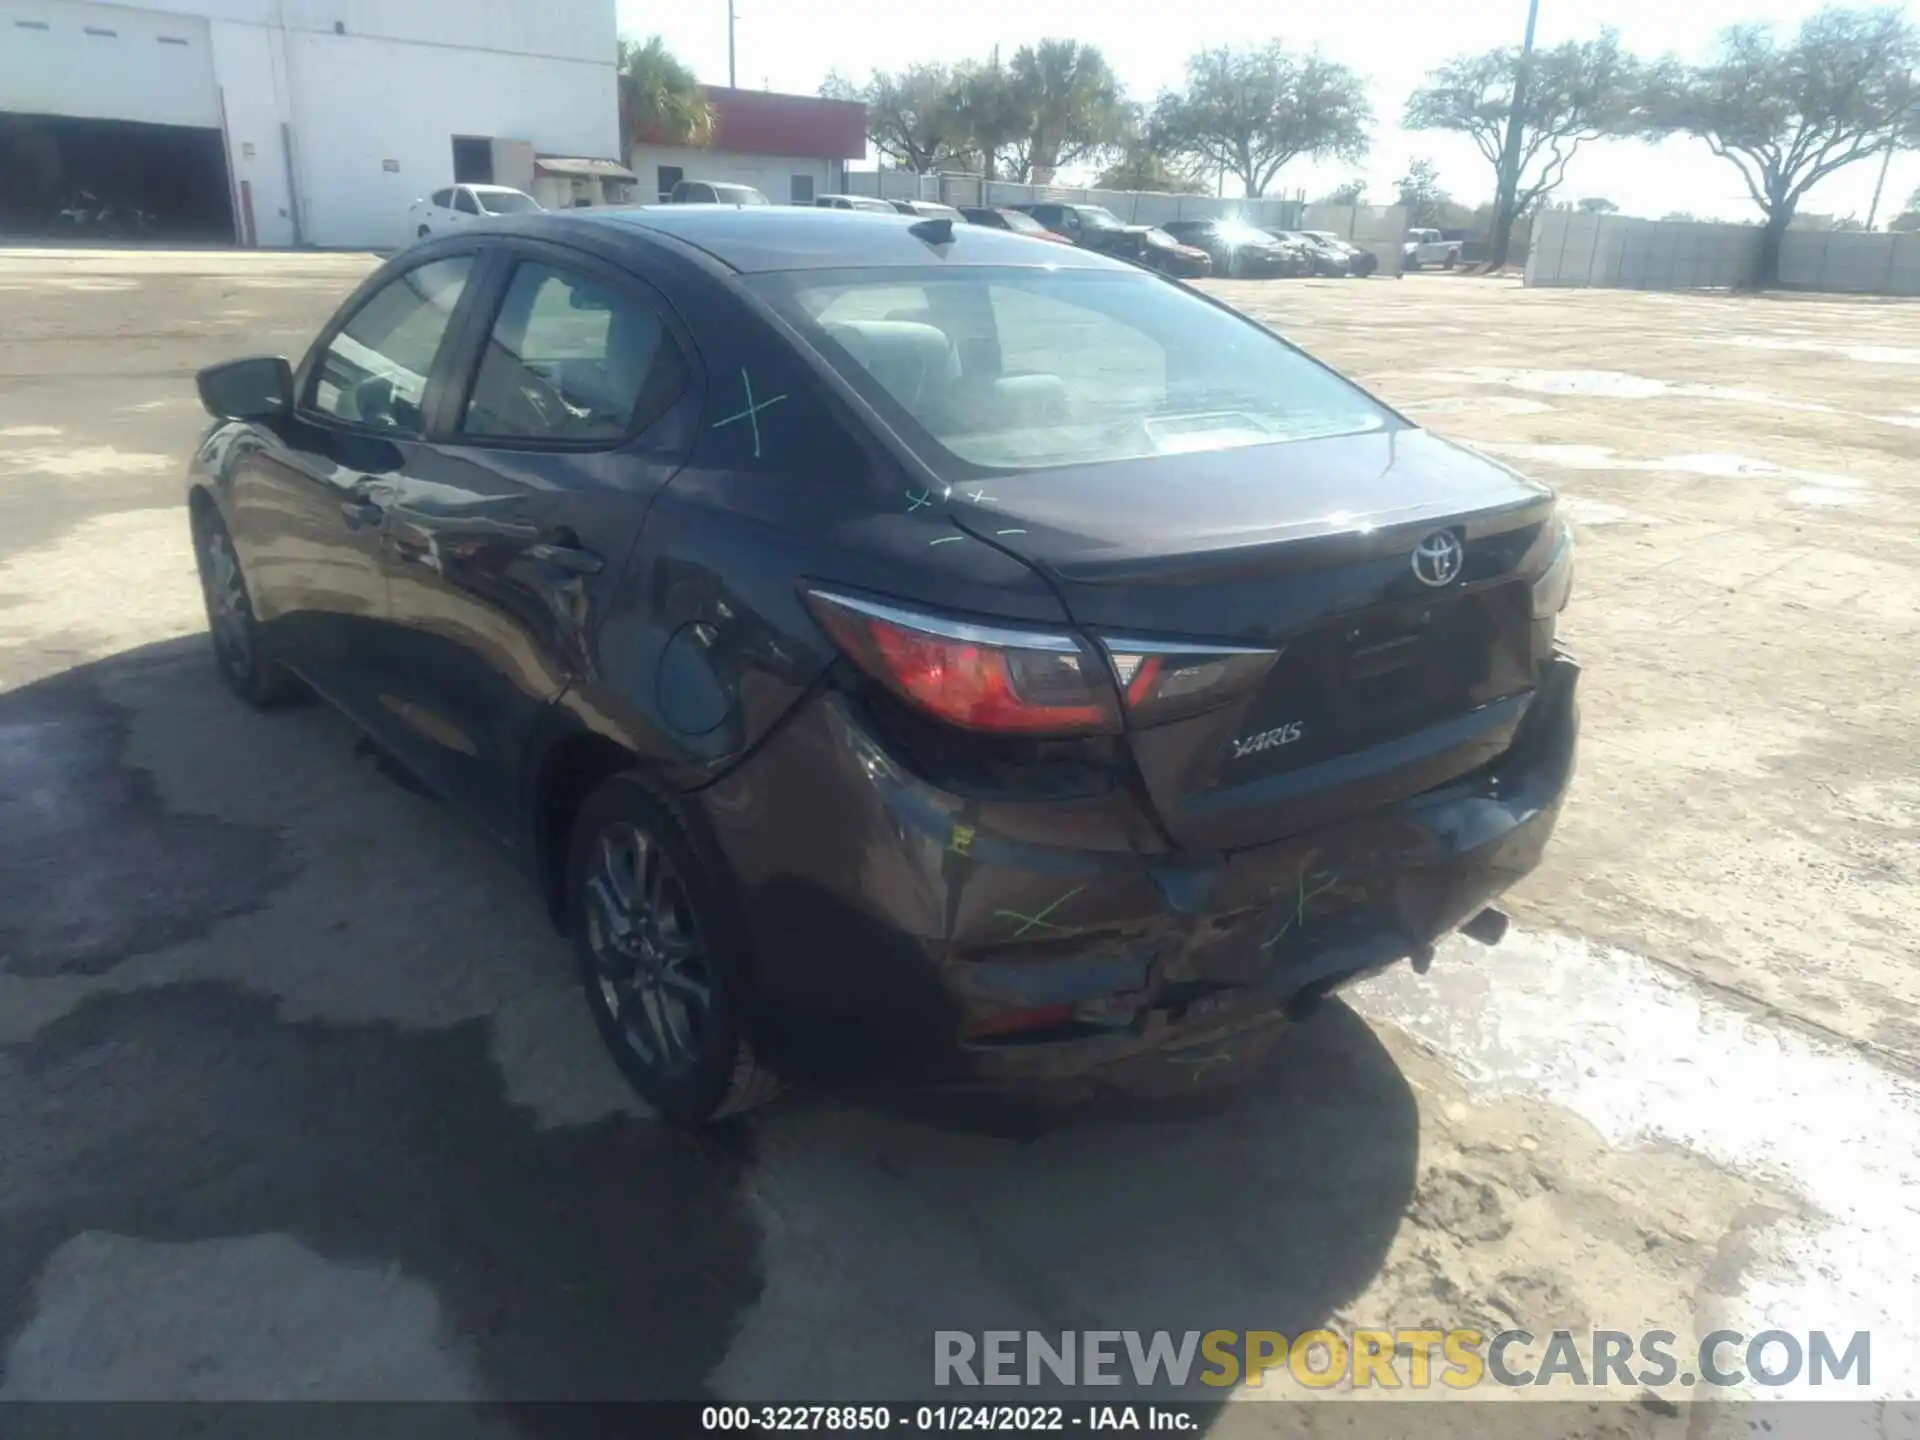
<point>257,388</point>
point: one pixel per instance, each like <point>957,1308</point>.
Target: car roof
<point>805,237</point>
<point>489,189</point>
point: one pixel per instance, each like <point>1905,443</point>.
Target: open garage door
<point>112,124</point>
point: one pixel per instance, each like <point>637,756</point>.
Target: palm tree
<point>661,102</point>
<point>1074,101</point>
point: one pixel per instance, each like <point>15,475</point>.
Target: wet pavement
<point>297,1097</point>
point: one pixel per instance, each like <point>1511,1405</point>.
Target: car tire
<point>422,233</point>
<point>240,649</point>
<point>662,956</point>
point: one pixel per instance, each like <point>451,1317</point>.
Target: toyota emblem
<point>1437,559</point>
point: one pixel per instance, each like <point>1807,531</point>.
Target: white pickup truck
<point>1425,247</point>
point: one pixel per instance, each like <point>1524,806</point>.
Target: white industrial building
<point>291,122</point>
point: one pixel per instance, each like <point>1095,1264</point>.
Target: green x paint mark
<point>1202,1063</point>
<point>1040,921</point>
<point>1299,915</point>
<point>752,413</point>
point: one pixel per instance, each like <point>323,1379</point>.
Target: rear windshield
<point>1000,368</point>
<point>506,202</point>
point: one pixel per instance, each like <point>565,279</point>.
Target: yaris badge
<point>1437,559</point>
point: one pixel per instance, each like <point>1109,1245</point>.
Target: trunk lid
<point>1385,685</point>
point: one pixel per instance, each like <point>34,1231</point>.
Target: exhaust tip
<point>1489,927</point>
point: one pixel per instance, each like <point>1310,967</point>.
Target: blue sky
<point>790,45</point>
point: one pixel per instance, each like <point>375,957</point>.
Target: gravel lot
<point>297,1098</point>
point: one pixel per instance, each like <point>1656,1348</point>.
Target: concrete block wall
<point>1618,251</point>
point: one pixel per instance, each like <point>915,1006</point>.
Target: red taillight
<point>1047,1017</point>
<point>1165,680</point>
<point>979,677</point>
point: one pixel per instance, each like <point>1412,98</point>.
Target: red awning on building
<point>760,122</point>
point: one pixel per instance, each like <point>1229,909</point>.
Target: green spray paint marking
<point>1040,921</point>
<point>751,414</point>
<point>914,502</point>
<point>946,540</point>
<point>1299,915</point>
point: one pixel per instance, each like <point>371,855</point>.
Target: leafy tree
<point>1598,205</point>
<point>1913,200</point>
<point>1140,166</point>
<point>1686,216</point>
<point>1071,101</point>
<point>1789,114</point>
<point>1251,111</point>
<point>912,118</point>
<point>996,127</point>
<point>661,102</point>
<point>1350,192</point>
<point>1420,193</point>
<point>1576,92</point>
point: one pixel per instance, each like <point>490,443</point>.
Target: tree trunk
<point>1766,269</point>
<point>1502,241</point>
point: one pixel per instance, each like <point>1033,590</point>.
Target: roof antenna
<point>935,231</point>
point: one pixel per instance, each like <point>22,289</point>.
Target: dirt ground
<point>296,1096</point>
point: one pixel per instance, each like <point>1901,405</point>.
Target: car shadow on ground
<point>258,989</point>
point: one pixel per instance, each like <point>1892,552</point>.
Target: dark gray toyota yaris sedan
<point>892,639</point>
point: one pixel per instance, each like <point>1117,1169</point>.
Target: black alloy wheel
<point>244,663</point>
<point>661,956</point>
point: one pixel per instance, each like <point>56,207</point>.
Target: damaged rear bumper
<point>899,927</point>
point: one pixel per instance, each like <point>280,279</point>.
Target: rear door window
<point>571,360</point>
<point>463,201</point>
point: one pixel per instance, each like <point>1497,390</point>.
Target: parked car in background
<point>868,203</point>
<point>1425,247</point>
<point>1157,250</point>
<point>1360,262</point>
<point>958,696</point>
<point>1092,227</point>
<point>458,205</point>
<point>927,210</point>
<point>714,192</point>
<point>999,217</point>
<point>1238,250</point>
<point>1322,260</point>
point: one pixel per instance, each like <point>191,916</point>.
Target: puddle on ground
<point>1817,487</point>
<point>1867,354</point>
<point>1648,1058</point>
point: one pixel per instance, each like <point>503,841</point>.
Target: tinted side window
<point>571,359</point>
<point>442,198</point>
<point>375,370</point>
<point>463,201</point>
